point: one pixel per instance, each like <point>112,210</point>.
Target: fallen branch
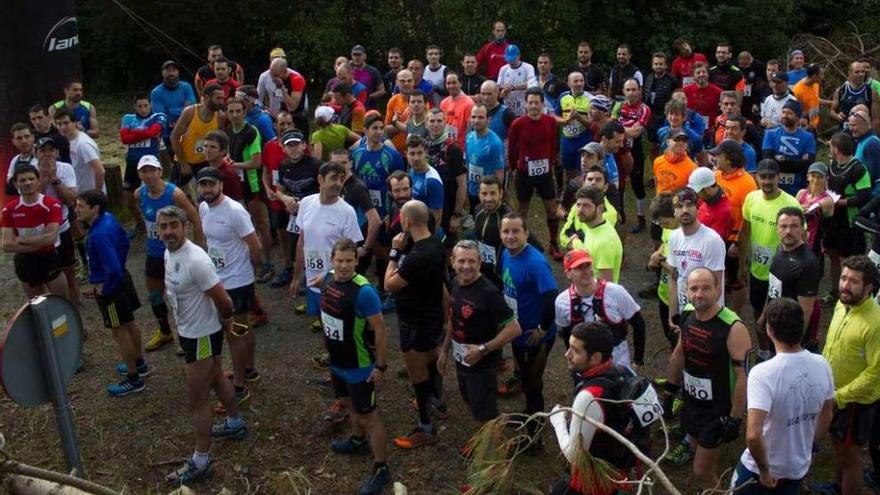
<point>14,467</point>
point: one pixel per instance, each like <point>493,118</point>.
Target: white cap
<point>701,178</point>
<point>149,161</point>
<point>324,113</point>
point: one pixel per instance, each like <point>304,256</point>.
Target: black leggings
<point>531,362</point>
<point>664,321</point>
<point>637,176</point>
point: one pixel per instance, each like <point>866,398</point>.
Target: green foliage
<point>120,54</point>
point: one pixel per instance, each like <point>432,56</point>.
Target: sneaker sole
<point>132,391</point>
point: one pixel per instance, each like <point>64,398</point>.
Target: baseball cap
<point>794,106</point>
<point>209,173</point>
<point>779,76</point>
<point>726,147</point>
<point>701,178</point>
<point>511,53</point>
<point>277,52</point>
<point>685,194</point>
<point>46,141</point>
<point>324,113</point>
<point>291,137</point>
<point>170,63</point>
<point>601,102</point>
<point>593,149</point>
<point>818,168</point>
<point>149,161</point>
<point>767,166</point>
<point>680,135</point>
<point>358,49</point>
<point>813,69</point>
<point>576,258</point>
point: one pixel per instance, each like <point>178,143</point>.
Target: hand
<point>733,250</point>
<point>362,251</point>
<point>636,368</point>
<point>675,328</point>
<point>767,480</point>
<point>560,212</point>
<point>572,238</point>
<point>535,335</point>
<point>315,281</point>
<point>277,81</point>
<point>399,241</point>
<point>656,259</point>
<point>779,158</point>
<point>293,290</point>
<point>227,323</point>
<point>375,376</point>
<point>760,325</point>
<point>729,429</point>
<point>841,202</point>
<point>473,355</point>
<point>558,415</point>
<point>442,361</point>
<point>270,193</point>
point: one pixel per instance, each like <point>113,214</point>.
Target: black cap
<point>46,141</point>
<point>794,106</point>
<point>779,75</point>
<point>767,166</point>
<point>170,63</point>
<point>727,147</point>
<point>813,69</point>
<point>292,136</point>
<point>358,49</point>
<point>209,173</point>
<point>681,134</point>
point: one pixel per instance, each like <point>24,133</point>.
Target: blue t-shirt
<point>374,167</point>
<point>147,146</point>
<point>695,121</point>
<point>778,141</point>
<point>171,102</point>
<point>366,305</point>
<point>868,152</point>
<point>527,277</point>
<point>795,75</point>
<point>485,156</point>
<point>695,139</point>
<point>150,206</point>
<point>262,121</point>
<point>611,167</point>
<point>427,187</point>
<point>751,158</point>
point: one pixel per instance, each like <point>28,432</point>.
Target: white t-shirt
<point>189,272</point>
<point>84,150</point>
<point>791,388</point>
<point>771,108</point>
<point>619,305</point>
<point>66,175</point>
<point>516,100</point>
<point>225,226</point>
<point>321,226</point>
<point>704,248</point>
<point>270,95</point>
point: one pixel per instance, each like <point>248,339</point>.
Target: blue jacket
<point>107,248</point>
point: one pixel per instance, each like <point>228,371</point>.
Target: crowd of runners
<point>408,192</point>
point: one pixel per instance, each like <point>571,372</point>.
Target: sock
<point>424,390</point>
<point>553,226</point>
<point>436,380</point>
<point>139,362</point>
<point>201,459</point>
<point>234,422</point>
<point>640,209</point>
<point>81,249</point>
<point>160,311</point>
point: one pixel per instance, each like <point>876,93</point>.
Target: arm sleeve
<point>499,311</point>
<point>242,224</point>
<point>584,405</point>
<point>548,318</point>
<point>638,326</point>
<point>156,101</point>
<point>862,191</point>
<point>863,389</point>
<point>512,145</point>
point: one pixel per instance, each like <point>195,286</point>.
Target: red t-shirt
<point>30,220</point>
<point>629,115</point>
<point>231,182</point>
<point>492,56</point>
<point>704,101</point>
<point>229,86</point>
<point>272,156</point>
<point>532,144</point>
<point>683,68</point>
<point>717,217</point>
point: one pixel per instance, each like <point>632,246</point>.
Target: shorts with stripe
<point>201,348</point>
<point>119,308</point>
<point>362,394</point>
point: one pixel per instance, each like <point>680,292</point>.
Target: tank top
<point>348,336</point>
<point>848,97</point>
<point>708,370</point>
<point>82,113</point>
<point>151,206</point>
<point>496,121</point>
<point>192,142</point>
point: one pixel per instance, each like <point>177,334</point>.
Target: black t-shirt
<point>355,193</point>
<point>240,140</point>
<point>794,273</point>
<point>299,179</point>
<point>594,76</point>
<point>470,85</point>
<point>477,313</point>
<point>725,77</point>
<point>423,267</point>
<point>448,159</point>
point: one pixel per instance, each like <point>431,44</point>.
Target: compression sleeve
<point>638,326</point>
<point>584,405</point>
<point>548,319</point>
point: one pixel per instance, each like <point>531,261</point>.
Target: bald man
<point>282,88</point>
<point>500,117</point>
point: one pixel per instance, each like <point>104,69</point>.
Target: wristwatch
<point>394,255</point>
<point>483,349</point>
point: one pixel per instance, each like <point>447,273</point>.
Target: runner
<point>485,154</point>
<point>589,299</point>
<point>736,128</point>
<point>415,274</point>
<point>621,71</point>
<point>598,235</point>
<point>83,113</point>
<point>436,73</point>
<point>187,138</point>
<point>42,126</point>
<point>397,111</point>
<point>417,123</point>
<point>818,206</point>
<point>663,213</point>
<point>170,97</point>
<point>513,80</point>
<point>771,107</point>
<point>867,146</point>
<point>356,194</point>
<point>634,116</point>
<point>329,137</point>
<point>355,336</point>
<point>367,75</point>
<point>532,153</point>
<point>487,226</point>
<point>285,89</point>
<point>683,64</point>
<point>446,156</point>
<point>657,92</point>
<point>254,114</point>
<point>202,311</point>
<point>703,98</point>
<point>30,230</point>
<point>710,356</point>
<point>84,153</point>
<point>154,195</point>
<point>206,72</point>
<point>470,80</point>
<point>572,113</point>
<point>594,76</point>
<point>715,210</point>
<point>427,184</point>
<point>112,288</point>
<point>500,117</point>
<point>457,107</point>
<point>492,53</point>
<point>854,91</point>
<point>530,291</point>
<point>141,131</point>
<point>725,74</point>
<point>673,168</point>
<point>545,79</point>
<point>223,77</point>
<point>234,249</point>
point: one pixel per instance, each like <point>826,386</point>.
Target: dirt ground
<point>131,443</point>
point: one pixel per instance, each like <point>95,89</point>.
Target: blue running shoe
<point>376,482</point>
<point>126,387</point>
<point>225,431</point>
<point>189,473</point>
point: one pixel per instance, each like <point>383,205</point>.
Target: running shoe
<point>376,482</point>
<point>189,473</point>
<point>351,445</point>
<point>437,408</point>
<point>267,271</point>
<point>511,387</point>
<point>260,320</point>
<point>321,362</point>
<point>416,438</point>
<point>224,431</point>
<point>680,455</point>
<point>126,387</point>
<point>336,413</point>
<point>639,227</point>
<point>300,309</point>
<point>252,376</point>
<point>283,278</point>
<point>143,370</point>
<point>241,398</point>
<point>158,340</point>
<point>317,326</point>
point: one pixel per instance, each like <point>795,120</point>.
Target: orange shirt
<point>458,115</point>
<point>670,176</point>
<point>398,106</point>
<point>736,186</point>
<point>808,95</point>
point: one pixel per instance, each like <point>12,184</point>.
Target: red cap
<point>576,258</point>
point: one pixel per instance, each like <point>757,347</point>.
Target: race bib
<point>25,232</point>
<point>291,225</point>
<point>459,351</point>
<point>152,230</point>
<point>314,261</point>
<point>682,298</point>
<point>647,407</point>
<point>475,173</point>
<point>875,257</point>
<point>664,277</point>
<point>451,131</point>
<point>375,197</point>
<point>573,129</point>
<point>774,289</point>
<point>487,255</point>
<point>761,255</point>
<point>747,90</point>
<point>698,388</point>
<point>786,179</point>
<point>511,301</point>
<point>141,144</point>
<point>333,327</point>
<point>687,80</point>
<point>538,167</point>
<point>218,257</point>
<point>200,146</point>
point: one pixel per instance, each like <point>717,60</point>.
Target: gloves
<point>670,391</point>
<point>729,429</point>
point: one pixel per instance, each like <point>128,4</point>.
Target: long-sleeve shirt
<point>852,348</point>
<point>532,141</point>
<point>171,102</point>
<point>107,248</point>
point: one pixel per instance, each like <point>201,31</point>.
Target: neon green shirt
<point>573,224</point>
<point>603,244</point>
<point>663,285</point>
<point>852,348</point>
<point>331,138</point>
<point>580,104</point>
<point>763,240</point>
